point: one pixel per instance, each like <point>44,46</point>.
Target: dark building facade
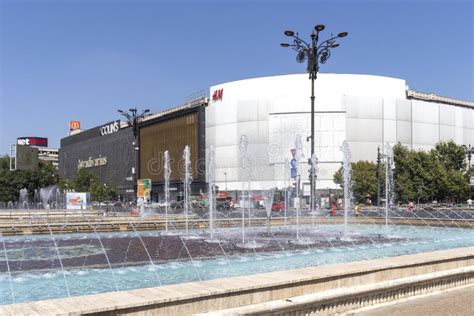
<point>106,151</point>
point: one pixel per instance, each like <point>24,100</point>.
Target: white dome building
<point>365,110</point>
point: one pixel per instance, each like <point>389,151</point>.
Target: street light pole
<point>133,119</point>
<point>314,53</point>
<point>377,174</point>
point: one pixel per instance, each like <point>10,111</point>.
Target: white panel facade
<point>367,111</point>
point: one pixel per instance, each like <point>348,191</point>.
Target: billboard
<point>144,189</point>
<point>26,158</point>
<point>76,200</point>
<point>32,141</point>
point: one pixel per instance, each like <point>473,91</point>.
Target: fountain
<point>299,156</point>
<point>142,258</point>
<point>104,251</point>
<point>245,179</point>
<point>167,173</point>
<point>389,187</point>
<point>45,195</point>
<point>36,199</point>
<point>346,164</point>
<point>188,178</point>
<point>58,198</point>
<point>24,198</point>
<point>268,197</point>
<point>211,190</point>
<point>97,254</point>
<point>59,257</point>
<point>287,184</point>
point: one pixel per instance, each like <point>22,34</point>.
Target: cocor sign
<point>110,128</point>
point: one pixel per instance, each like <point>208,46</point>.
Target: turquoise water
<point>33,286</point>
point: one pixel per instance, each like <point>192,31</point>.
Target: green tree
<point>364,180</point>
<point>86,181</point>
<point>417,175</point>
<point>437,174</point>
<point>451,155</point>
<point>102,192</point>
<point>11,182</point>
<point>7,189</point>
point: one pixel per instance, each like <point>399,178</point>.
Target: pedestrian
<point>333,209</point>
<point>357,209</point>
<point>469,202</point>
<point>410,207</point>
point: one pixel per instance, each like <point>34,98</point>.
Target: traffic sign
<point>293,163</point>
<point>293,172</point>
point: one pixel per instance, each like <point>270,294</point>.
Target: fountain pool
<point>30,267</point>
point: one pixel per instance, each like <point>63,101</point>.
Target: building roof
<point>187,105</point>
<point>431,97</point>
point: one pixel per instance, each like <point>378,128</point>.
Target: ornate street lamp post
<point>133,118</point>
<point>315,53</point>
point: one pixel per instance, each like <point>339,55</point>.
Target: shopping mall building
<point>271,112</point>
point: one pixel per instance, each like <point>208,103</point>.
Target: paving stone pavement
<point>453,303</point>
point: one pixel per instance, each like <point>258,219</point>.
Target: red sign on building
<point>217,95</point>
<point>32,141</point>
<point>73,125</point>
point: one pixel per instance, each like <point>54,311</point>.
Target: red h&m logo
<point>217,95</point>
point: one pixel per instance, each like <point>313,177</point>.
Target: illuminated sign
<point>217,95</point>
<point>110,128</point>
<point>73,125</point>
<point>32,141</point>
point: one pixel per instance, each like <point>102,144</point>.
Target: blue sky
<point>81,60</point>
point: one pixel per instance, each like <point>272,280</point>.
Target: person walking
<point>357,209</point>
<point>333,209</point>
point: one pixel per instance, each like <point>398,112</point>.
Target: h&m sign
<point>217,95</point>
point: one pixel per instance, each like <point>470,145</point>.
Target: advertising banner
<point>76,200</point>
<point>144,189</point>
